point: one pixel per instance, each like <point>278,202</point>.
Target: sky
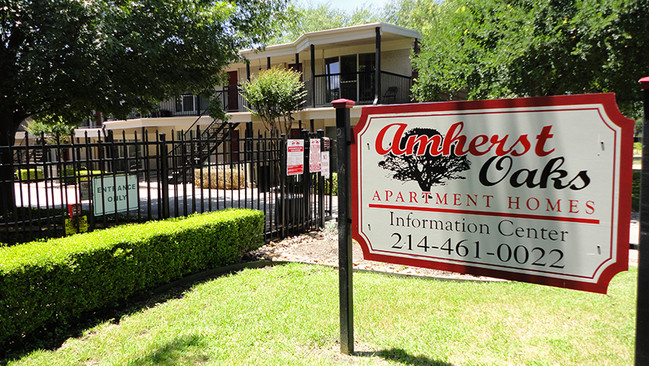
<point>345,4</point>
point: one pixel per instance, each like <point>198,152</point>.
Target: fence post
<point>109,140</point>
<point>282,184</point>
<point>642,311</point>
<point>321,195</point>
<point>343,132</point>
<point>164,176</point>
<point>306,183</point>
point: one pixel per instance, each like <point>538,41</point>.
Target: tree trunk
<point>8,127</point>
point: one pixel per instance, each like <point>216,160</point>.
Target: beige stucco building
<point>368,63</point>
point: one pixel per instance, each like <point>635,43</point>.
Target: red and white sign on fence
<point>532,189</point>
<point>315,162</point>
<point>326,165</point>
<point>294,157</point>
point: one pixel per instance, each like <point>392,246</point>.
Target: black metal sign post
<point>343,164</point>
<point>642,312</point>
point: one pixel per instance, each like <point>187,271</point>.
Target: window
<point>366,69</point>
<point>185,103</point>
<point>351,77</point>
<point>332,69</point>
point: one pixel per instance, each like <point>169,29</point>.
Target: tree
<point>427,170</point>
<point>68,58</point>
<point>311,18</point>
<point>478,49</point>
<point>51,126</point>
<point>273,96</point>
<point>413,14</point>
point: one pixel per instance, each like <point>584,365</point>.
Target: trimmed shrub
<point>56,281</point>
<point>220,178</point>
<point>29,174</point>
<point>69,174</point>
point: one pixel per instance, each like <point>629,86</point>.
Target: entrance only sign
<point>533,189</point>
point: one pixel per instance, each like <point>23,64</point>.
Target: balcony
<point>359,87</point>
<point>321,90</point>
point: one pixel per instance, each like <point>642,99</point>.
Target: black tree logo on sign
<point>426,169</point>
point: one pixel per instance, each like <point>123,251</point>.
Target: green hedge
<point>331,185</point>
<point>635,191</point>
<point>29,174</point>
<point>69,174</point>
<point>55,281</point>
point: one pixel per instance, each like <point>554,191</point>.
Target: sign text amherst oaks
<point>532,189</point>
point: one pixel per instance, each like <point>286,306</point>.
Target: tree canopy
<point>50,125</point>
<point>67,58</point>
<point>479,49</point>
<point>413,14</point>
<point>311,18</point>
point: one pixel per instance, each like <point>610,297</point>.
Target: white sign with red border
<point>532,189</point>
<point>315,164</point>
<point>294,156</point>
<point>326,165</point>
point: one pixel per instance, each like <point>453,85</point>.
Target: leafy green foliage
<point>479,49</point>
<point>29,174</point>
<point>331,185</point>
<point>273,96</point>
<point>413,14</point>
<point>57,280</point>
<point>635,191</point>
<point>66,58</point>
<point>70,174</point>
<point>51,125</point>
<point>311,18</point>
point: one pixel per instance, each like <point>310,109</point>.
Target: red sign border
<point>624,204</point>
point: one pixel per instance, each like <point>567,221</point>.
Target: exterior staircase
<point>206,143</point>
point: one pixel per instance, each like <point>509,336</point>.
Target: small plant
<point>331,227</point>
<point>637,148</point>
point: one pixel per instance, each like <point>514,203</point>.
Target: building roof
<point>348,36</point>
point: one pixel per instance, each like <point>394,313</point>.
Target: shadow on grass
<point>53,336</point>
<point>403,357</point>
<point>185,349</point>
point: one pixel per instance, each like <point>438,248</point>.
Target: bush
<point>635,191</point>
<point>69,174</point>
<point>55,281</point>
<point>331,185</point>
<point>220,178</point>
<point>29,174</point>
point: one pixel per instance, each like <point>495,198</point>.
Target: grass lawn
<point>288,315</point>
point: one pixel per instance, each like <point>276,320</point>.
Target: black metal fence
<point>62,185</point>
<point>360,87</point>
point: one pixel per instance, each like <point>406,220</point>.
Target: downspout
<point>377,69</point>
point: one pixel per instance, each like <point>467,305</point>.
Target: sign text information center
<point>532,189</point>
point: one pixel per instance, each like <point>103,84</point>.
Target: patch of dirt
<point>321,247</point>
